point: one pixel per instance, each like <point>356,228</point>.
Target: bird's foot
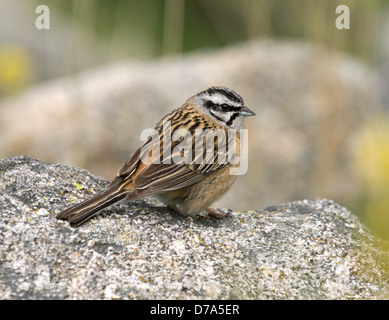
<point>211,213</point>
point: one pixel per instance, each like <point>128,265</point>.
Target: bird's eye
<point>224,107</point>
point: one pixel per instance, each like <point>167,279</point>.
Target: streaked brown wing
<point>217,158</point>
<point>165,176</point>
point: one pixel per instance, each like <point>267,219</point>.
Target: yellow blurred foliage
<point>372,165</point>
<point>372,161</point>
<point>15,68</point>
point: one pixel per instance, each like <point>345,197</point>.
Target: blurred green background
<point>102,31</point>
<point>122,29</point>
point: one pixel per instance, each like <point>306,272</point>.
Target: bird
<point>185,161</point>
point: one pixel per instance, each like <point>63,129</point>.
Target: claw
<point>211,213</point>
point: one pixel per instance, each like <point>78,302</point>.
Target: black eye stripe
<point>209,104</point>
<point>221,107</point>
<point>227,107</point>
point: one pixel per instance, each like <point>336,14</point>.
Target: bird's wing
<point>178,170</point>
<point>189,162</point>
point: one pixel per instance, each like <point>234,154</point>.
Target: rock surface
<point>140,250</point>
<point>310,105</point>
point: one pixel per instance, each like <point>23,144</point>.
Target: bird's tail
<point>79,213</point>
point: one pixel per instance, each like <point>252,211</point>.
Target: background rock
<point>310,105</point>
<point>140,250</point>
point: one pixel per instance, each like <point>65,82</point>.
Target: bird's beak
<point>246,112</point>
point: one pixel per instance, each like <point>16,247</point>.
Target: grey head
<point>224,106</point>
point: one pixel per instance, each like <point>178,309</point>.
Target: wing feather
<point>168,175</point>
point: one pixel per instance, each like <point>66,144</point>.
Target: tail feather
<point>79,213</point>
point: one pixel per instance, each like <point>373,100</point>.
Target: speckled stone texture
<point>140,250</point>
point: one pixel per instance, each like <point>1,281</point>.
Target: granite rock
<point>310,249</point>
